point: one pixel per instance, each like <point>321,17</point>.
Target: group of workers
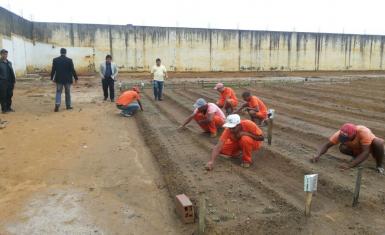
<point>239,137</point>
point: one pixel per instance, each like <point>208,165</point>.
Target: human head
<point>63,51</point>
<point>201,104</point>
<point>347,132</point>
<point>219,87</point>
<point>158,62</point>
<point>4,54</point>
<point>108,58</point>
<point>246,95</point>
<point>233,122</point>
<point>136,89</point>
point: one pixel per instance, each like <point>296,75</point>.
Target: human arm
<point>249,134</point>
<point>101,72</point>
<point>140,105</point>
<point>360,158</point>
<point>53,70</point>
<point>116,71</point>
<point>241,108</point>
<point>214,154</point>
<point>187,121</point>
<point>165,73</point>
<point>74,72</point>
<point>208,119</point>
<point>322,150</point>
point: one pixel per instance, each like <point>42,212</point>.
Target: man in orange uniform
<point>129,102</point>
<point>227,99</point>
<point>208,115</point>
<point>356,141</point>
<point>255,107</point>
<point>239,136</point>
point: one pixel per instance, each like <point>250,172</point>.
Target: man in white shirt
<point>108,72</point>
<point>160,73</point>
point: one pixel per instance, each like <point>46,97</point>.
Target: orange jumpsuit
<point>246,144</point>
<point>217,121</point>
<point>255,102</point>
<point>230,94</point>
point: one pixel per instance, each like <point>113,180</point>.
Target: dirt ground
<point>92,171</point>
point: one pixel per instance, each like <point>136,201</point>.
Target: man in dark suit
<point>63,73</point>
<point>7,82</point>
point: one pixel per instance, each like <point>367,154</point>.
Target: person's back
<point>127,97</point>
<point>64,69</point>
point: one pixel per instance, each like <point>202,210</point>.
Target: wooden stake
<point>308,198</point>
<point>358,187</point>
<point>202,215</point>
<point>269,131</point>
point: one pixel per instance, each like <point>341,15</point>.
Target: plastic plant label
<point>310,183</point>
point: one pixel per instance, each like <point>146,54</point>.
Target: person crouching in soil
<point>240,136</point>
<point>255,107</point>
<point>208,116</point>
<point>358,142</point>
<point>227,98</point>
<point>129,102</point>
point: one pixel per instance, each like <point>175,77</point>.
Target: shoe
<point>112,100</point>
<point>105,99</point>
<point>56,108</point>
<point>245,164</point>
<point>126,114</point>
<point>380,170</point>
<point>10,110</point>
<point>4,112</point>
<point>213,135</point>
<point>160,99</point>
<point>69,107</point>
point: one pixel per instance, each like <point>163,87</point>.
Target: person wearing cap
<point>129,102</point>
<point>208,116</point>
<point>255,107</point>
<point>239,136</point>
<point>227,99</point>
<point>7,82</point>
<point>63,73</point>
<point>358,142</point>
<point>108,72</point>
<point>160,73</point>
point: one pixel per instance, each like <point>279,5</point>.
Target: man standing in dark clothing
<point>108,72</point>
<point>7,82</point>
<point>63,73</point>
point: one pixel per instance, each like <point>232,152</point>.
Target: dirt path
<point>82,171</point>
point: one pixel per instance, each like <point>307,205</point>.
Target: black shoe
<point>4,112</point>
<point>69,107</point>
<point>105,99</point>
<point>160,99</point>
<point>56,108</point>
<point>112,100</point>
<point>10,110</point>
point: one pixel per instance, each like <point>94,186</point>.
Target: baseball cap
<point>218,86</point>
<point>347,132</point>
<point>199,103</point>
<point>232,121</point>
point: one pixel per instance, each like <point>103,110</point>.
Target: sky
<point>331,16</point>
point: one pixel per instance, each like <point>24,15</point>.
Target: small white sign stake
<point>310,186</point>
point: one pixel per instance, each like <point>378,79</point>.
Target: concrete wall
<point>32,46</point>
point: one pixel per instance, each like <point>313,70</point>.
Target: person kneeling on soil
<point>356,141</point>
<point>255,107</point>
<point>227,99</point>
<point>129,102</point>
<point>208,115</point>
<point>239,136</point>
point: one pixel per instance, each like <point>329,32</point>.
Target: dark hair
<point>3,51</point>
<point>246,94</point>
<point>108,57</point>
<point>63,51</point>
<point>157,60</point>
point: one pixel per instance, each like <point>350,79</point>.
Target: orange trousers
<point>246,144</point>
<point>260,115</point>
<point>212,126</point>
<point>232,102</point>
